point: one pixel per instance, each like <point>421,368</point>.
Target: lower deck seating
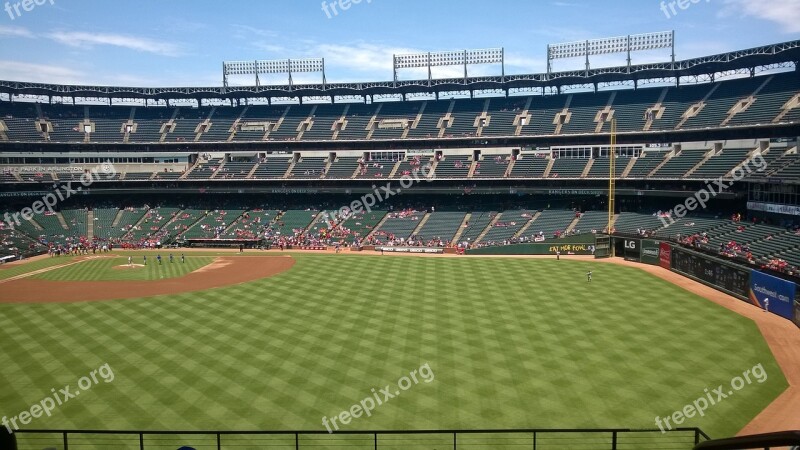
<point>14,242</point>
<point>592,221</point>
<point>398,226</point>
<point>151,224</point>
<point>358,226</point>
<point>292,222</point>
<point>508,225</point>
<point>441,227</point>
<point>213,224</point>
<point>251,224</point>
<point>476,224</point>
<point>183,221</point>
<point>551,223</point>
<point>77,221</point>
<point>632,223</point>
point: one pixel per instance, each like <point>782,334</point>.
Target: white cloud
<point>247,32</point>
<point>53,74</point>
<point>785,13</point>
<point>269,47</point>
<point>524,64</point>
<point>15,31</point>
<point>361,57</point>
<point>87,40</point>
<point>40,73</point>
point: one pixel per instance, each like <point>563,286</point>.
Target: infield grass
<point>117,269</point>
<point>513,343</point>
<point>8,271</point>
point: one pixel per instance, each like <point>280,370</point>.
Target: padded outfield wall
<point>739,281</point>
<point>779,292</point>
<point>641,250</point>
<point>583,244</point>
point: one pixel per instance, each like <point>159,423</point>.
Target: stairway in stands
<point>90,225</point>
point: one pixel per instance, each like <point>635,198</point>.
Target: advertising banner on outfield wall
<point>780,293</point>
<point>409,249</point>
<point>665,255</point>
<point>729,278</point>
<point>632,249</point>
<point>650,251</point>
<point>535,249</point>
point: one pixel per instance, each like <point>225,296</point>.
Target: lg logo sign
<point>630,245</point>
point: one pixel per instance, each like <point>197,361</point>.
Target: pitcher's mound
<point>128,266</point>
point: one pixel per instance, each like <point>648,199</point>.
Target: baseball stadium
<point>601,252</point>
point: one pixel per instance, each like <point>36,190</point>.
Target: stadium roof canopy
<point>750,60</point>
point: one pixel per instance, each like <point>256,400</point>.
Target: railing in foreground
<point>755,441</point>
<point>544,439</point>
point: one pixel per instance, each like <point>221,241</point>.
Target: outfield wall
<point>779,292</point>
<point>573,245</point>
<point>718,273</point>
<point>739,281</point>
<point>641,250</point>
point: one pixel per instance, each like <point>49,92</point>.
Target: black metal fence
<point>536,439</point>
<point>764,441</point>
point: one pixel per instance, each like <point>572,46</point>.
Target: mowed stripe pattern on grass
<point>12,271</point>
<point>513,343</point>
<point>105,269</point>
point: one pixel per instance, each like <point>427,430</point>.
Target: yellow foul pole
<point>612,178</point>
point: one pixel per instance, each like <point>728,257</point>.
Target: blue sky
<point>183,42</point>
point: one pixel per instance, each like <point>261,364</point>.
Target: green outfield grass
<point>8,271</point>
<point>107,269</point>
<point>513,343</point>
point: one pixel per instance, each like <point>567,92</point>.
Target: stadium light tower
<point>620,44</point>
<point>464,58</point>
<point>280,66</point>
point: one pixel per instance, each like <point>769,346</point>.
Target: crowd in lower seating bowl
<point>741,251</point>
<point>391,240</point>
<point>158,225</point>
<point>251,225</point>
<point>531,238</point>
